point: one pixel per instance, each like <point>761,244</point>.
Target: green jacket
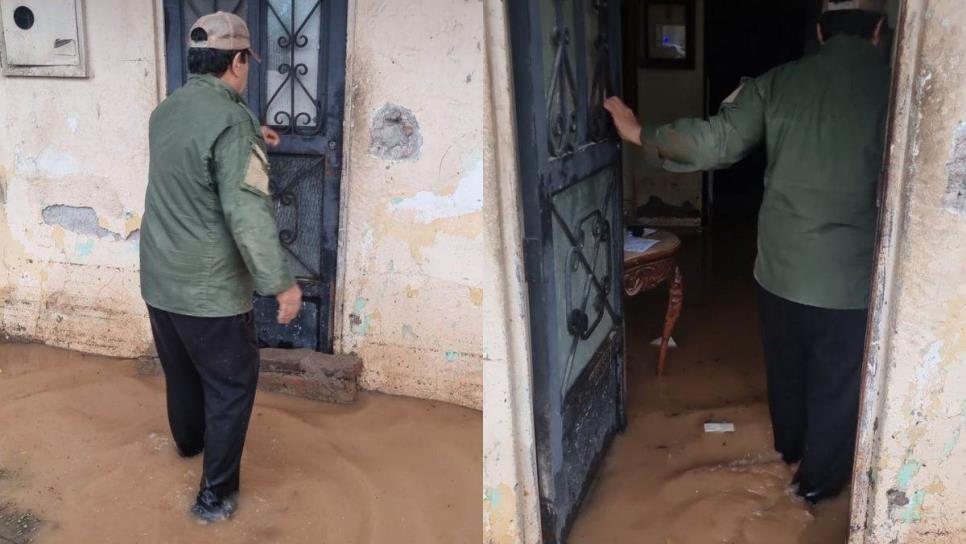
<point>208,238</point>
<point>822,121</point>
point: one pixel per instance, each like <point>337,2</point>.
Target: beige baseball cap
<point>875,6</point>
<point>226,31</point>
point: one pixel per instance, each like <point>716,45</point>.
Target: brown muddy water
<point>85,449</point>
<point>666,481</point>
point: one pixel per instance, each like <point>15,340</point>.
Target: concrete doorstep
<point>300,373</point>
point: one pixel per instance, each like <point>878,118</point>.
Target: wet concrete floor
<point>85,449</point>
<point>666,481</point>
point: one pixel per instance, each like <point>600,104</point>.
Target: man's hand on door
<point>289,304</point>
<point>270,136</point>
<point>624,119</point>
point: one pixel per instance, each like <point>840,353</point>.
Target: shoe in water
<point>210,508</point>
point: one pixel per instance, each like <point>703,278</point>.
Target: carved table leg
<point>675,300</point>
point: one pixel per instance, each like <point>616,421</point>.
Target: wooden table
<point>649,270</point>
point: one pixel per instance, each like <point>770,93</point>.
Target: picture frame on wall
<point>668,37</point>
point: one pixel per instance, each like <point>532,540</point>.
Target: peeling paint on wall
<point>407,332</point>
<point>360,321</point>
<point>908,485</point>
<point>955,198</point>
<point>49,163</point>
<point>476,296</point>
<point>3,185</point>
<point>84,249</point>
<point>73,122</point>
<point>465,199</point>
<point>68,251</point>
<point>912,512</point>
<point>82,220</point>
<point>908,472</point>
<point>498,511</point>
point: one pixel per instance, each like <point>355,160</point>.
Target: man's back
<point>824,118</point>
<point>821,119</point>
<point>206,231</point>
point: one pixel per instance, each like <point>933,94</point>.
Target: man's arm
<point>240,169</point>
<point>691,145</point>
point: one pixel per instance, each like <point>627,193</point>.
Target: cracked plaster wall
<point>911,462</point>
<point>73,167</point>
<point>412,239</point>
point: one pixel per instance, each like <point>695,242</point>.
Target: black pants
<point>814,365</point>
<point>211,369</point>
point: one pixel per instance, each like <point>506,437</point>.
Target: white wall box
<point>42,38</point>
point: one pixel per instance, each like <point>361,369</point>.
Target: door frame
<point>900,150</point>
<point>511,506</point>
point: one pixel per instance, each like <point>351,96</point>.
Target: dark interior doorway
<point>746,38</point>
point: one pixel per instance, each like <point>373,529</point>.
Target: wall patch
<point>394,134</point>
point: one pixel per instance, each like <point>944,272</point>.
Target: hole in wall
<point>23,17</point>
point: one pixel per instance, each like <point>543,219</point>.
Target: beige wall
<point>72,281</point>
<point>413,238</point>
<point>664,96</point>
<point>410,296</point>
<point>911,463</point>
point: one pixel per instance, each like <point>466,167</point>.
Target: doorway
<point>716,375</point>
<point>696,463</point>
<point>298,89</point>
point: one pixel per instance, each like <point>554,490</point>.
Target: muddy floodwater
<point>86,457</point>
<point>665,480</point>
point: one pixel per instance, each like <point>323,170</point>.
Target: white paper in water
<point>638,245</point>
<point>719,427</point>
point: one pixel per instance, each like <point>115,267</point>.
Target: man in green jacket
<point>208,241</point>
<point>822,121</point>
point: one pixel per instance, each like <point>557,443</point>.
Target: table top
<point>668,245</point>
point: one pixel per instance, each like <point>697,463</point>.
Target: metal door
<point>566,60</point>
<point>298,89</point>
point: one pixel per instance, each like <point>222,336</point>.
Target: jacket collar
<point>213,82</point>
<point>852,47</point>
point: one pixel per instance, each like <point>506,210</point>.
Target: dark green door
<point>566,57</point>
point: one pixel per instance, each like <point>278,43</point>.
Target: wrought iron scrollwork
<point>562,97</point>
<point>589,274</point>
<point>288,196</point>
<point>291,41</point>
